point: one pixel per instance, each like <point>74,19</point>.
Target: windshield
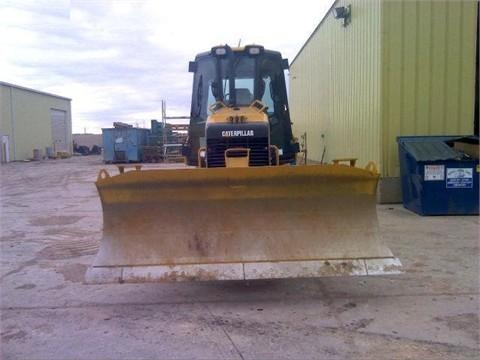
<point>237,80</point>
<point>234,82</point>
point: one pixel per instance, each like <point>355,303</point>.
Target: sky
<point>117,60</point>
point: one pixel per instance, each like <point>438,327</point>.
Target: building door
<point>4,149</point>
<point>59,130</point>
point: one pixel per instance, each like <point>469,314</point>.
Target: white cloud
<point>118,59</point>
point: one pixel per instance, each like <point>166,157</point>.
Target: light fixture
<point>220,50</point>
<point>343,12</point>
<point>254,49</point>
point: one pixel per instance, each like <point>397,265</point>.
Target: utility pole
<point>164,122</point>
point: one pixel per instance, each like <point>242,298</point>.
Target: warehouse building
<point>31,122</point>
<point>373,70</point>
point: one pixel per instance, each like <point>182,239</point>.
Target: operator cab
<point>236,79</point>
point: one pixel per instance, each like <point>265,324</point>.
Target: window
<point>267,97</point>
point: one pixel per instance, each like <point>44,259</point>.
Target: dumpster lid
<point>431,151</point>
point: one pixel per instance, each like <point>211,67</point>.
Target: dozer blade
<point>239,223</point>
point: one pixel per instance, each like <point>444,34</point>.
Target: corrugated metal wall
<point>26,118</point>
<point>428,71</point>
<point>399,68</point>
<point>335,85</point>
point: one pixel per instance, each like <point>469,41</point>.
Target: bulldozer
<point>241,208</point>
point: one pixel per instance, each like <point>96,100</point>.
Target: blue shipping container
<point>123,144</point>
<point>437,179</point>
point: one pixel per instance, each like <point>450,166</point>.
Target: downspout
<point>12,124</point>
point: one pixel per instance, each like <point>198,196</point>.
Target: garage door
<point>59,129</point>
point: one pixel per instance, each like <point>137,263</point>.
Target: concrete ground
<point>51,223</point>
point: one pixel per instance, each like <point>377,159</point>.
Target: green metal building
<point>391,68</point>
<point>33,120</point>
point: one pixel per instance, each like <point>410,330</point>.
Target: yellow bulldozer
<point>241,209</point>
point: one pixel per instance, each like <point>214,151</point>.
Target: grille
<point>258,150</point>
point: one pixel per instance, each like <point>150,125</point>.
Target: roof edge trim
<point>33,90</point>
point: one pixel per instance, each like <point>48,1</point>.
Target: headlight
<point>219,51</point>
<point>254,50</point>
